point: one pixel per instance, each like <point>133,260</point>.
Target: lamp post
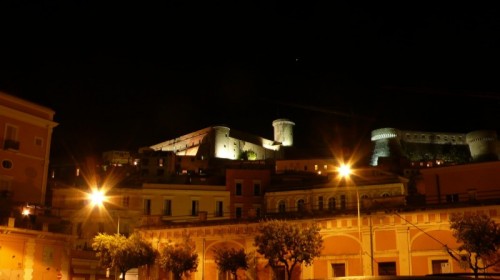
<point>345,172</point>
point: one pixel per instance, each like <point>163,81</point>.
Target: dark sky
<point>123,74</point>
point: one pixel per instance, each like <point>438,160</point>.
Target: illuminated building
<point>26,135</point>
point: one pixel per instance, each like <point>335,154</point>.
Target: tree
<point>288,244</point>
<point>122,253</point>
<point>180,259</point>
<point>480,239</point>
<point>230,260</point>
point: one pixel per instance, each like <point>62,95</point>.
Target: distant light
<point>26,211</point>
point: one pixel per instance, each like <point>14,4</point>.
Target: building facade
<point>378,244</point>
<point>33,254</point>
<point>26,135</point>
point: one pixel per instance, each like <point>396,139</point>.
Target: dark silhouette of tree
<point>230,260</point>
<point>287,244</point>
<point>122,253</point>
<point>480,239</point>
<point>181,259</point>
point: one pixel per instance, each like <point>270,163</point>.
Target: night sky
<point>122,75</point>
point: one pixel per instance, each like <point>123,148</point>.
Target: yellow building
<point>25,134</point>
<point>33,254</point>
<point>404,244</point>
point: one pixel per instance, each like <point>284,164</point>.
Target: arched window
<point>331,203</point>
<point>300,205</point>
<point>385,195</point>
<point>281,206</point>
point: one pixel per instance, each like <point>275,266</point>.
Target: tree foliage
<point>122,253</point>
<point>230,260</point>
<point>283,243</point>
<point>179,258</point>
<point>479,236</point>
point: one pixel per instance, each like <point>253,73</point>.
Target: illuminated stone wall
<point>388,143</point>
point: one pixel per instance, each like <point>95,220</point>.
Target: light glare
<point>97,197</point>
<point>344,170</point>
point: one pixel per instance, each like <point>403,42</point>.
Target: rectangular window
<point>440,266</point>
<point>195,204</point>
<point>39,141</point>
<point>343,202</point>
<point>256,189</point>
<point>472,195</point>
<point>160,172</point>
<point>320,203</point>
<point>219,210</point>
<point>238,213</point>
<point>386,268</point>
<point>10,137</point>
<point>452,198</point>
<point>10,132</point>
<point>5,185</point>
<point>147,206</point>
<point>167,207</point>
<point>338,269</point>
<point>238,190</point>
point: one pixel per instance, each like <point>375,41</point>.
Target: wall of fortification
<point>483,144</point>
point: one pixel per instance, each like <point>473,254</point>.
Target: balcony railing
<point>9,144</point>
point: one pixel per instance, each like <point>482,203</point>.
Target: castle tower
<point>482,145</point>
<point>386,144</point>
<point>283,132</point>
<point>221,143</point>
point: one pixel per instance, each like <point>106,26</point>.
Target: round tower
<point>482,145</point>
<point>386,144</point>
<point>221,143</point>
<point>283,132</point>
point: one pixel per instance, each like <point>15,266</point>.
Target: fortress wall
<point>483,144</point>
<point>433,137</point>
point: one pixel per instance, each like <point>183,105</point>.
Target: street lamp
<point>345,172</point>
<point>97,198</point>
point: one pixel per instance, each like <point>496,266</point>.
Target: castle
<point>441,147</point>
<point>224,143</point>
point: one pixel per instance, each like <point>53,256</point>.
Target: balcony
<point>10,144</point>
